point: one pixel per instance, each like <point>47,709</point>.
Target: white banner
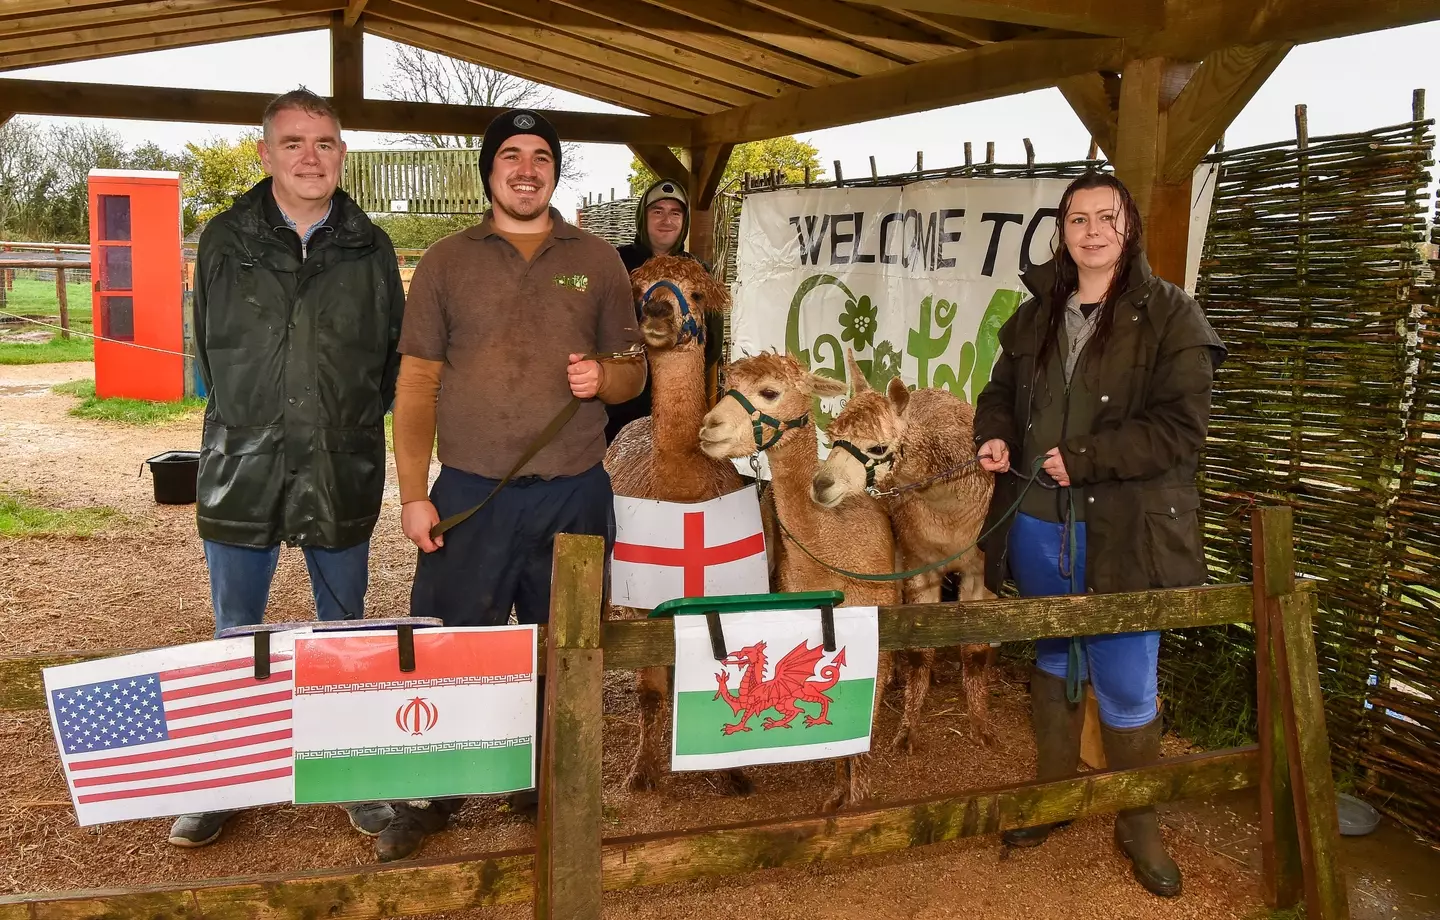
<point>917,279</point>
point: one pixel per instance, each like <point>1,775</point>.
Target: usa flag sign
<point>665,550</point>
<point>461,723</point>
<point>174,731</point>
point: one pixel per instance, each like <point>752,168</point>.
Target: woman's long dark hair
<point>1067,274</point>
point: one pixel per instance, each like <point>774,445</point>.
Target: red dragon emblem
<point>795,681</point>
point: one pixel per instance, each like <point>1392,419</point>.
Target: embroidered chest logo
<point>573,282</point>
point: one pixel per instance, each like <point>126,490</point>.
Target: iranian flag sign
<point>666,550</point>
<point>461,723</point>
<point>778,697</point>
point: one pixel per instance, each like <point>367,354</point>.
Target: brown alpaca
<point>909,438</point>
<point>853,535</point>
<point>659,457</point>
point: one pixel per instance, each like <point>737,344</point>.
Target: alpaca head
<point>866,437</point>
<point>662,320</point>
<point>776,386</point>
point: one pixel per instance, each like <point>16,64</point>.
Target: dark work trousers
<point>501,557</point>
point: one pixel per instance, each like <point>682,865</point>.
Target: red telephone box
<point>136,265</point>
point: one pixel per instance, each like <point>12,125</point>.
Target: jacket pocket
<point>1174,552</point>
<point>240,441</point>
<point>349,467</point>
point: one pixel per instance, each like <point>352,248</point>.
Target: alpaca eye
<point>879,450</point>
<point>698,296</point>
<point>769,393</point>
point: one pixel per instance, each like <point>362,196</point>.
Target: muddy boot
<point>412,823</point>
<point>1137,830</point>
<point>1057,723</point>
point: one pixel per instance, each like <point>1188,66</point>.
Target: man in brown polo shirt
<point>498,324</point>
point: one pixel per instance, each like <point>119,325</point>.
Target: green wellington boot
<point>1137,830</point>
<point>1057,723</point>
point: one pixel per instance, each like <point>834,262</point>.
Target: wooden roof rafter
<point>63,20</point>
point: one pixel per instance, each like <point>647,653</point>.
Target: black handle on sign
<point>717,636</point>
<point>827,627</point>
<point>262,655</point>
<point>405,638</point>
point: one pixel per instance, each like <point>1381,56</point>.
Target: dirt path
<point>142,583</point>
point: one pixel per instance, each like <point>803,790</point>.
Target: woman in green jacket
<point>1104,383</point>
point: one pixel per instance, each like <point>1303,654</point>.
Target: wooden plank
<point>567,862</point>
<point>347,66</point>
<point>967,76</point>
<point>855,23</point>
<point>662,162</point>
<point>1096,17</point>
<point>634,644</point>
<point>1095,97</point>
<point>598,61</point>
<point>1272,555</point>
<point>434,33</point>
<point>1195,30</point>
<point>373,892</point>
<point>101,100</point>
<point>1225,83</point>
<point>353,11</point>
<point>21,684</point>
<point>70,19</point>
<point>62,297</point>
<point>1308,745</point>
<point>1140,137</point>
<point>200,22</point>
<point>684,32</point>
<point>761,27</point>
<point>159,41</point>
<point>581,24</point>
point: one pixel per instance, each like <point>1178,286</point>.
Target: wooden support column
<point>347,66</point>
<point>567,857</point>
<point>1272,553</point>
<point>707,166</point>
<point>1147,88</point>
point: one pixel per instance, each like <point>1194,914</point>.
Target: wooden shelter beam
<point>1146,92</point>
<point>756,25</point>
<point>967,76</point>
<point>1226,81</point>
<point>103,100</point>
<point>1196,28</point>
<point>159,40</point>
<point>1096,17</point>
<point>70,20</point>
<point>392,22</point>
<point>353,11</point>
<point>661,161</point>
<point>199,23</point>
<point>587,56</point>
<point>857,24</point>
<point>976,31</point>
<point>683,32</point>
<point>347,65</point>
<point>583,25</point>
<point>1095,97</point>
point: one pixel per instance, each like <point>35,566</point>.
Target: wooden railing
<point>427,181</point>
<point>572,864</point>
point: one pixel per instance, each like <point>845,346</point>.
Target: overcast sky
<point>1350,84</point>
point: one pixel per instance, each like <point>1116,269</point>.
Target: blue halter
<point>690,326</point>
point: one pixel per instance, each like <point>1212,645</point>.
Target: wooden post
<point>1307,743</point>
<point>839,175</point>
<point>874,173</point>
<point>1272,556</point>
<point>347,66</point>
<point>567,856</point>
<point>61,296</point>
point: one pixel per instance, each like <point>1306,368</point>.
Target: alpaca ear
<point>717,295</point>
<point>826,386</point>
<point>899,395</point>
<point>858,383</point>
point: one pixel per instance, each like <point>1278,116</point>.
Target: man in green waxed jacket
<point>298,303</point>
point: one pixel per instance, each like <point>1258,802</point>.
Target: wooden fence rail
<point>62,296</point>
<point>572,865</point>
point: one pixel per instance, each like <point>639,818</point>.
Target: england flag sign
<point>665,550</point>
<point>174,731</point>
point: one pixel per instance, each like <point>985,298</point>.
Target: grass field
<point>37,298</point>
<point>29,296</point>
<point>20,516</point>
<point>125,411</point>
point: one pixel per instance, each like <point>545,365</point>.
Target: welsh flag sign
<point>778,696</point>
<point>665,550</point>
<point>461,723</point>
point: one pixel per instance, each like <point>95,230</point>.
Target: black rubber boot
<point>412,823</point>
<point>1137,830</point>
<point>1057,723</point>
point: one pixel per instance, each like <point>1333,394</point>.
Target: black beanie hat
<point>505,126</point>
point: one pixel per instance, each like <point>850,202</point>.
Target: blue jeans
<point>240,579</point>
<point>1121,667</point>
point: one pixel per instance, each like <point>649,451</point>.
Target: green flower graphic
<point>858,321</point>
<point>885,365</point>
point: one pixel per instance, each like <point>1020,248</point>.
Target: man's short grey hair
<point>301,99</point>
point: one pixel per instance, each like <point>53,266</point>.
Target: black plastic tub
<point>175,472</point>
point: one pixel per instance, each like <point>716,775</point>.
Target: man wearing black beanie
<point>499,320</point>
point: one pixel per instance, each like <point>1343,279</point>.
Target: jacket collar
<point>560,228</point>
<point>258,216</point>
<point>1040,280</point>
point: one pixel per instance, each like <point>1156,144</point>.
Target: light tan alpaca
<point>908,439</point>
<point>854,534</point>
<point>659,457</point>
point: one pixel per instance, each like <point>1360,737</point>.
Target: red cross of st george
<point>693,555</point>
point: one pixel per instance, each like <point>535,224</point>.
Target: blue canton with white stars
<point>111,714</point>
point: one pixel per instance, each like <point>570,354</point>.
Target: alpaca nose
<point>822,483</point>
<point>656,309</point>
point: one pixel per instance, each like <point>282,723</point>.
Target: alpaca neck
<point>793,462</point>
<point>677,399</point>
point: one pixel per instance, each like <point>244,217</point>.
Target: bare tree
<point>21,160</point>
<point>417,75</point>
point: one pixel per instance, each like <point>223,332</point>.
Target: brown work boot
<point>1137,830</point>
<point>1057,723</point>
<point>411,824</point>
